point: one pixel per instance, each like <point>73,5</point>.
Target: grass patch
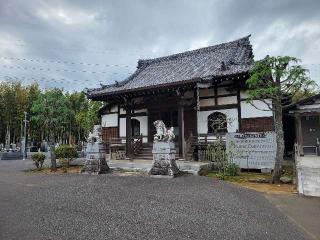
<point>256,181</point>
<point>47,170</point>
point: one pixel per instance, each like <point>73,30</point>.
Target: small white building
<point>187,91</point>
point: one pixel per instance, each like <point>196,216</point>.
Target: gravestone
<point>95,160</point>
<point>164,162</point>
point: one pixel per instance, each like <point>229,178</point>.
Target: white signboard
<point>255,150</point>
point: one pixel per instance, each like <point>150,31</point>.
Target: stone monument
<point>95,160</point>
<point>164,163</point>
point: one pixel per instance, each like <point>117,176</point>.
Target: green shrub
<point>232,169</point>
<point>222,160</point>
<point>38,159</point>
<point>64,164</point>
<point>66,152</point>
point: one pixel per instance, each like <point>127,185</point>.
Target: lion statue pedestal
<point>95,161</point>
<point>164,163</point>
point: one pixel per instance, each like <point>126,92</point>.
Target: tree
<point>50,112</point>
<point>273,81</point>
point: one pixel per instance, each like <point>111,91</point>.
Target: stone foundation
<point>95,162</point>
<point>164,163</point>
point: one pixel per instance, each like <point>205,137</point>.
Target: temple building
<point>302,125</point>
<point>188,91</point>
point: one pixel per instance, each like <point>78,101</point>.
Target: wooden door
<point>190,125</point>
<point>109,133</point>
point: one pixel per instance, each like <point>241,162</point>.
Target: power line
<point>92,50</point>
<point>65,62</point>
<point>56,80</point>
<point>60,70</point>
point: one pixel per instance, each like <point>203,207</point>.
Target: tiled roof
<point>205,63</point>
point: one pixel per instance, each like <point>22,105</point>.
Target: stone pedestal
<point>95,161</point>
<point>164,163</point>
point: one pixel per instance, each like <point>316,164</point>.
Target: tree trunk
<point>53,158</point>
<point>278,127</point>
<point>52,153</point>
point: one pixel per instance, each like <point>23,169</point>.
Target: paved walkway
<point>308,170</point>
<point>110,206</point>
<point>304,211</point>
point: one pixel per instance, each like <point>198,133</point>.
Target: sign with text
<point>254,150</point>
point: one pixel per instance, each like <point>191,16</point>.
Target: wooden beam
<point>239,107</point>
<point>226,106</point>
<point>222,95</point>
<point>181,130</point>
<point>138,114</point>
<point>128,128</point>
<point>299,137</point>
<point>215,95</point>
<point>118,122</point>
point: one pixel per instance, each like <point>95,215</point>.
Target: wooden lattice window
<point>217,123</point>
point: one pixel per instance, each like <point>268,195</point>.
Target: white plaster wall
<point>207,102</point>
<point>114,108</point>
<point>140,110</point>
<point>232,115</point>
<point>143,126</point>
<point>223,90</point>
<point>243,94</point>
<point>109,120</point>
<point>206,92</point>
<point>227,100</point>
<point>122,111</point>
<point>249,111</point>
<point>122,129</point>
<point>313,106</point>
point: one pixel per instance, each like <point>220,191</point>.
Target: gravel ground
<point>74,206</point>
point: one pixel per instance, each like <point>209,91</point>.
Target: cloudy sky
<point>80,43</point>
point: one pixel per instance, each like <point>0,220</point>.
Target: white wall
<point>144,110</point>
<point>223,90</point>
<point>109,120</point>
<point>249,111</point>
<point>231,114</point>
<point>143,126</point>
<point>122,129</point>
<point>227,100</point>
<point>122,111</point>
<point>207,102</point>
<point>206,92</point>
<point>114,108</point>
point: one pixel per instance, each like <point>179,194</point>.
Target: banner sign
<point>254,150</point>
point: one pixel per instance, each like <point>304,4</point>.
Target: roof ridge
<point>142,62</point>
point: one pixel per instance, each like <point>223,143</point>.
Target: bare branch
<point>260,109</point>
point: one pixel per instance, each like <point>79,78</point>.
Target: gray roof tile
<point>215,61</point>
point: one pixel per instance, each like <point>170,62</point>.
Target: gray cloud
<point>121,32</point>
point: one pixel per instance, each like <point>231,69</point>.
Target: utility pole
<point>24,145</point>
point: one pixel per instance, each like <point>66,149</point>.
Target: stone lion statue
<point>95,135</point>
<point>163,134</point>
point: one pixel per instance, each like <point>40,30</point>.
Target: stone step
<point>311,193</point>
<point>143,158</point>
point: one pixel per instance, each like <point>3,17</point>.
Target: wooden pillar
<point>128,128</point>
<point>239,107</point>
<point>197,109</point>
<point>299,137</point>
<point>181,130</point>
<point>215,94</point>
